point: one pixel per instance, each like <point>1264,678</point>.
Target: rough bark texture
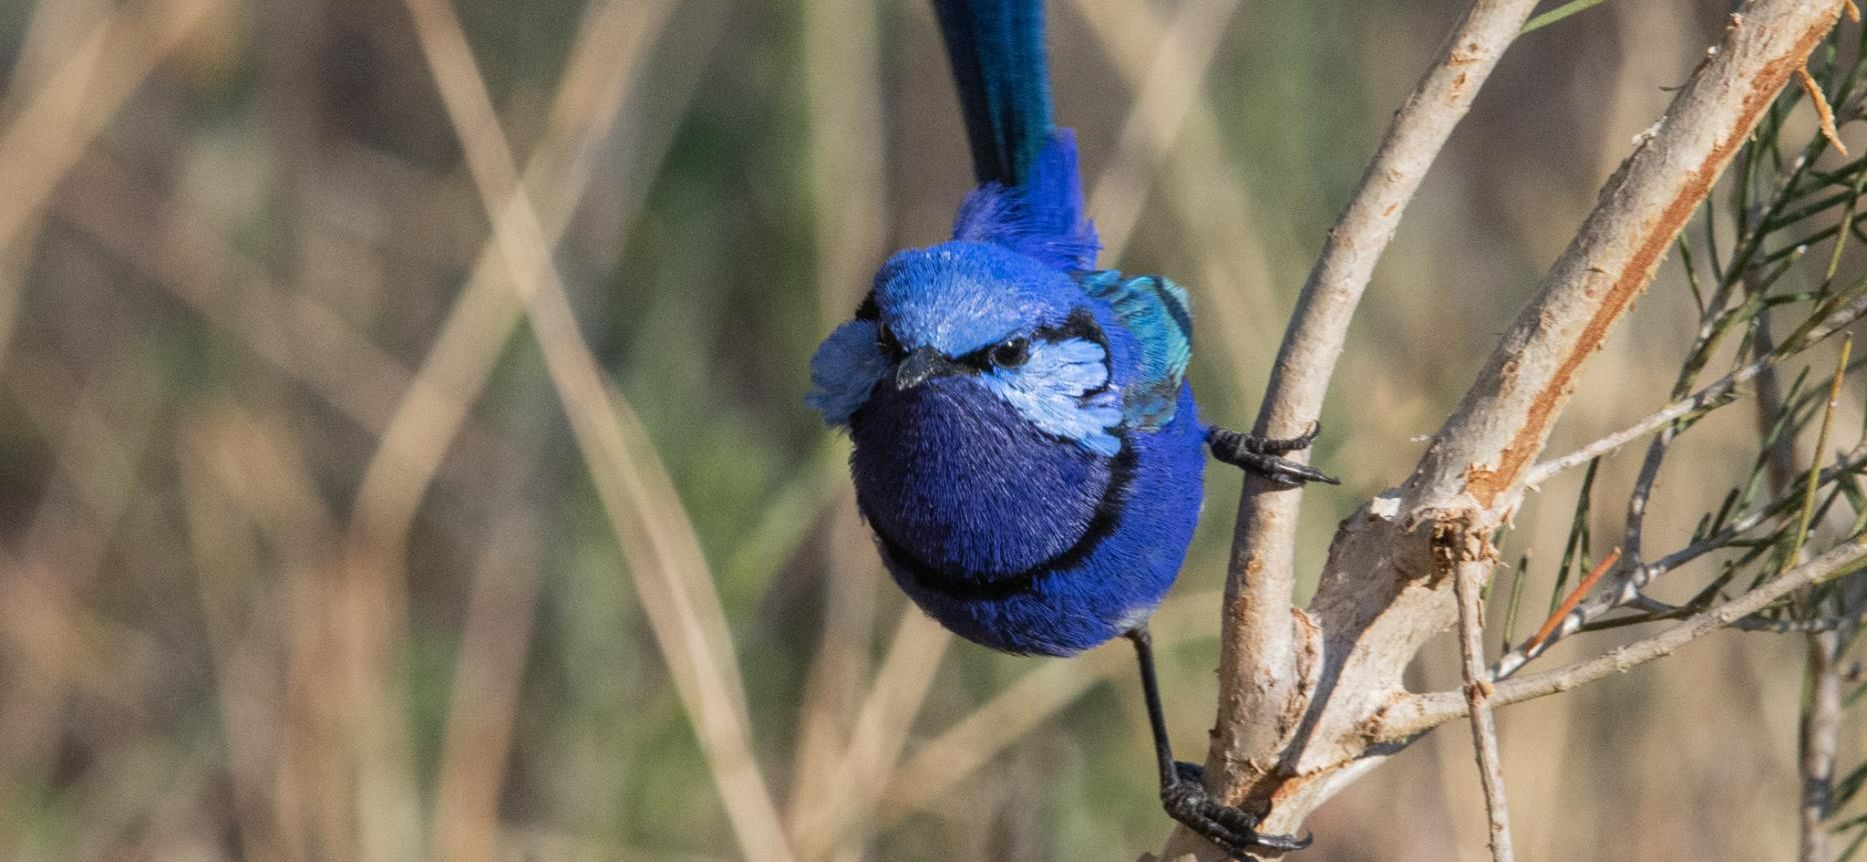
<point>1304,694</point>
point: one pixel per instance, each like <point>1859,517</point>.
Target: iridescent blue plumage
<point>1027,450</point>
<point>1041,506</point>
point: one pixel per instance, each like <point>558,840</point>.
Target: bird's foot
<point>1233,830</point>
<point>1260,455</point>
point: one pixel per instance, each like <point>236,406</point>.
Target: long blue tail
<point>1030,195</point>
<point>997,50</point>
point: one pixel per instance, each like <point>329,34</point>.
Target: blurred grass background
<point>310,549</point>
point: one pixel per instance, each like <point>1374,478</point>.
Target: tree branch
<point>1258,665</point>
<point>1470,578</point>
<point>1380,597</point>
<point>1482,452</point>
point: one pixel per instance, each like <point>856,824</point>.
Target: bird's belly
<point>1104,583</point>
<point>954,478</point>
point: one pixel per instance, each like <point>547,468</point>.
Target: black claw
<point>1260,455</point>
<point>1182,792</point>
<point>1285,843</point>
<point>1233,830</point>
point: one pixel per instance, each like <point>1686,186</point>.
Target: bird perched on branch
<point>1027,449</point>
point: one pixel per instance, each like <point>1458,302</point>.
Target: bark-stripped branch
<point>1482,452</point>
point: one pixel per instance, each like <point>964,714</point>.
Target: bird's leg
<point>1260,455</point>
<point>1182,792</point>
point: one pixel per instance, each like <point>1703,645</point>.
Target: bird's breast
<point>953,476</point>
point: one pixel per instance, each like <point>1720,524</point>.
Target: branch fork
<point>1311,700</point>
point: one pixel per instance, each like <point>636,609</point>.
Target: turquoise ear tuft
<point>1159,313</point>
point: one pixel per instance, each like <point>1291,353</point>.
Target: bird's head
<point>976,320</point>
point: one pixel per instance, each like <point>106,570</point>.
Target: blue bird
<point>1027,450</point>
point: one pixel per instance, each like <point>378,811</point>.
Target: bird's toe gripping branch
<point>1183,793</point>
<point>1261,455</point>
<point>1233,830</point>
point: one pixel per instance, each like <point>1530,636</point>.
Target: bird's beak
<point>916,367</point>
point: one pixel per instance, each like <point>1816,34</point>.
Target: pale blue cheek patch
<point>845,368</point>
<point>1060,390</point>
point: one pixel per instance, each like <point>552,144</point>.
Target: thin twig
<point>1821,716</point>
<point>1469,585</point>
<point>1419,713</point>
<point>1627,587</point>
<point>1594,576</point>
<point>1712,325</point>
<point>1821,444</point>
<point>1718,390</point>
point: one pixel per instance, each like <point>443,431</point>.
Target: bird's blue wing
<point>1159,314</point>
<point>997,51</point>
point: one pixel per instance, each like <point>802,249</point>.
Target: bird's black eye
<point>886,343</point>
<point>1011,352</point>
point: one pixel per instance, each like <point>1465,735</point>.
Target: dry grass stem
<point>1222,232</point>
<point>298,335</point>
<point>55,128</point>
<point>939,764</point>
<point>434,404</point>
<point>474,749</point>
<point>850,214</point>
<point>880,733</point>
<point>1167,95</point>
<point>651,527</point>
